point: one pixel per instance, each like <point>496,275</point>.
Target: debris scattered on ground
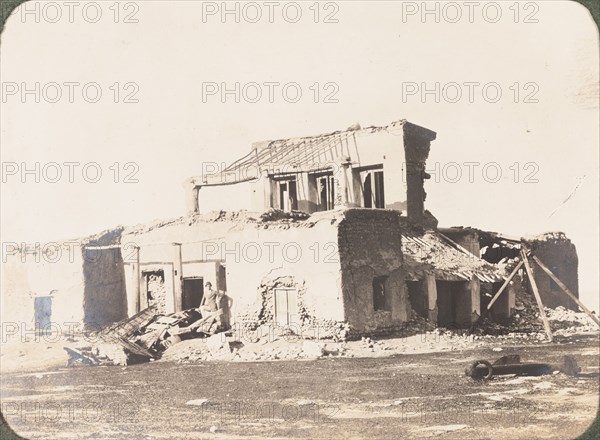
<point>187,336</point>
<point>146,335</point>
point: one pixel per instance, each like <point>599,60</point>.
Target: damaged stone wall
<point>82,286</point>
<point>370,252</point>
<point>104,296</point>
<point>559,255</point>
<point>417,142</point>
<point>306,322</point>
<point>302,256</point>
<point>466,237</point>
<point>28,274</point>
<point>202,238</point>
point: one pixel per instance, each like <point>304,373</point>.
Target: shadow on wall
<point>104,295</point>
<point>226,304</point>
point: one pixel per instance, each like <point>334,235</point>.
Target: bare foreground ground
<point>404,395</point>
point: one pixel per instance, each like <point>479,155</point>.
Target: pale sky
<point>371,55</point>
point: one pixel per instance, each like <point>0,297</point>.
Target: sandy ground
<point>416,389</point>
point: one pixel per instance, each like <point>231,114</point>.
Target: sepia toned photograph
<point>313,219</point>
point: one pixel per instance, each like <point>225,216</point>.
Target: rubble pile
<point>157,292</point>
<point>145,336</point>
<point>241,216</point>
<point>567,322</point>
<point>374,345</point>
<point>527,316</point>
<point>525,320</point>
<point>225,348</point>
<point>279,215</point>
<point>336,330</point>
<point>418,324</point>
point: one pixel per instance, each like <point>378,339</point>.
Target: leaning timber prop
<point>525,262</point>
<point>505,285</point>
<point>484,370</point>
<point>566,290</point>
<point>538,298</point>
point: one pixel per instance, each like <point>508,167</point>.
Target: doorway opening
<point>193,291</point>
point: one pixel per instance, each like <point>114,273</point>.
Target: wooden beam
<point>566,290</point>
<point>177,278</point>
<point>538,299</point>
<point>505,285</point>
<point>135,285</point>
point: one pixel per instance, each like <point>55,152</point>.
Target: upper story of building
<point>374,167</point>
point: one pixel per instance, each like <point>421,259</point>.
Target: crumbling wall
<point>466,237</point>
<point>383,147</point>
<point>417,142</point>
<point>203,248</point>
<point>104,295</point>
<point>559,255</point>
<point>29,273</point>
<point>370,253</point>
<point>82,283</point>
<point>302,256</point>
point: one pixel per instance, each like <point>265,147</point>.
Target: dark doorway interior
<point>418,299</point>
<point>381,297</point>
<point>454,305</point>
<point>193,290</point>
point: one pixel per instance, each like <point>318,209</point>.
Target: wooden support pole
<point>143,292</point>
<point>505,285</point>
<point>177,278</point>
<point>538,299</point>
<point>565,289</point>
<point>192,190</point>
<point>136,280</point>
<point>430,288</point>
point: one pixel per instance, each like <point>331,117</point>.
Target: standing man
<point>209,300</point>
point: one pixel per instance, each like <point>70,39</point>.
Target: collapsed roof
<point>302,154</point>
<point>432,251</point>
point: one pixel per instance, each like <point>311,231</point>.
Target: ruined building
<point>331,233</point>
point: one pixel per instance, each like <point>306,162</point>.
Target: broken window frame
<point>373,188</point>
<point>287,192</point>
<point>325,186</point>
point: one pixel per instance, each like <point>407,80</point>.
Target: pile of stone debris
<point>565,322</point>
<point>144,337</point>
<point>280,215</point>
<point>224,347</point>
<point>527,323</point>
